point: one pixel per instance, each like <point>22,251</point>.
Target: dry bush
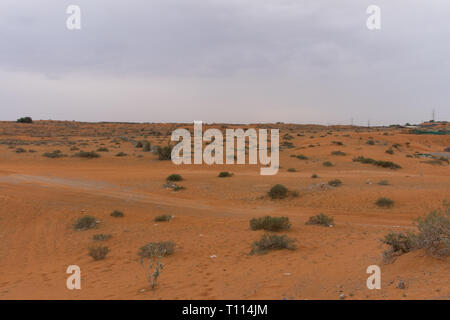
<point>272,242</point>
<point>270,223</point>
<point>84,223</point>
<point>278,191</point>
<point>98,253</point>
<point>164,248</point>
<point>164,217</point>
<point>321,219</point>
<point>384,202</point>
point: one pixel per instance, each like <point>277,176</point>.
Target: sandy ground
<point>40,199</point>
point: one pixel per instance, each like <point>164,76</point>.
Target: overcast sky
<point>234,61</point>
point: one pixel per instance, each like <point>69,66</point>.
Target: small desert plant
<point>335,182</point>
<point>116,214</point>
<point>121,154</point>
<point>383,183</point>
<point>25,120</point>
<point>164,217</point>
<point>270,223</point>
<point>384,202</point>
<point>164,153</point>
<point>178,188</point>
<point>321,219</point>
<point>434,232</point>
<point>174,177</point>
<point>338,153</point>
<point>54,154</point>
<point>225,174</point>
<point>164,248</point>
<point>154,252</point>
<point>390,151</point>
<point>302,157</point>
<point>85,222</point>
<point>370,142</point>
<point>379,163</point>
<point>291,170</point>
<point>146,146</point>
<point>327,164</point>
<point>278,191</point>
<point>338,143</point>
<point>20,150</point>
<point>272,242</point>
<point>101,237</point>
<point>98,253</point>
<point>87,154</point>
<point>314,176</point>
<point>102,150</point>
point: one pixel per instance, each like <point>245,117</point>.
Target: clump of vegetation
<point>25,120</point>
<point>314,176</point>
<point>270,223</point>
<point>20,150</point>
<point>390,151</point>
<point>87,154</point>
<point>327,164</point>
<point>225,174</point>
<point>291,170</point>
<point>98,253</point>
<point>164,248</point>
<point>338,153</point>
<point>84,223</point>
<point>278,191</point>
<point>146,147</point>
<point>54,154</point>
<point>433,236</point>
<point>379,163</point>
<point>321,219</point>
<point>370,142</point>
<point>164,153</point>
<point>383,183</point>
<point>272,242</point>
<point>154,252</point>
<point>338,143</point>
<point>121,154</point>
<point>301,157</point>
<point>162,218</point>
<point>384,202</point>
<point>335,182</point>
<point>101,237</point>
<point>174,177</point>
<point>116,214</point>
<point>178,188</point>
<point>102,150</point>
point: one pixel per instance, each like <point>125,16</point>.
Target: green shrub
<point>101,237</point>
<point>84,223</point>
<point>162,249</point>
<point>225,174</point>
<point>98,253</point>
<point>146,147</point>
<point>272,242</point>
<point>302,157</point>
<point>291,170</point>
<point>335,182</point>
<point>434,232</point>
<point>278,191</point>
<point>174,177</point>
<point>321,219</point>
<point>116,214</point>
<point>102,150</point>
<point>390,151</point>
<point>87,154</point>
<point>121,154</point>
<point>327,164</point>
<point>164,153</point>
<point>379,163</point>
<point>20,150</point>
<point>54,154</point>
<point>25,120</point>
<point>164,217</point>
<point>270,223</point>
<point>384,202</point>
<point>370,142</point>
<point>338,153</point>
<point>314,176</point>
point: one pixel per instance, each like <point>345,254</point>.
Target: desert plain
<point>41,197</point>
